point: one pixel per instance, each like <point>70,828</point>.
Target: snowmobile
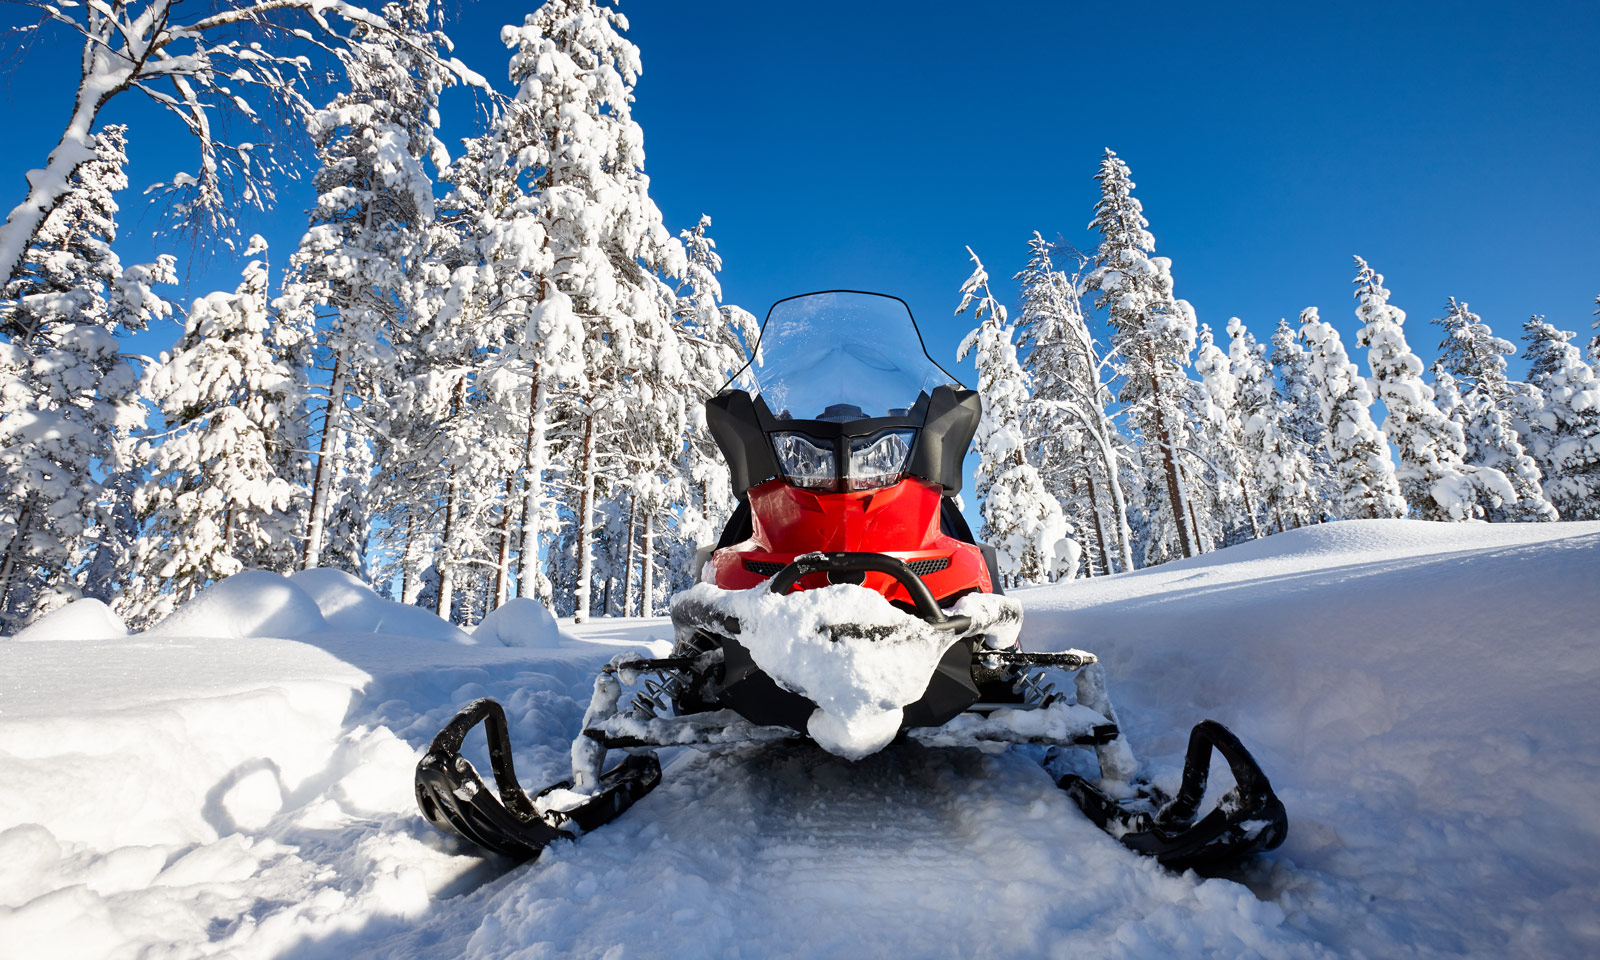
<point>848,603</point>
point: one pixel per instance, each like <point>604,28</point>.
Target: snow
<point>1421,694</point>
<point>860,680</point>
<point>349,606</point>
<point>519,622</point>
<point>254,603</point>
<point>86,619</point>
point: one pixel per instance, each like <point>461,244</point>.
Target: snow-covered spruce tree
<point>603,233</point>
<point>346,283</point>
<point>1225,440</point>
<point>1278,465</point>
<point>651,447</point>
<point>1154,334</point>
<point>1472,358</point>
<point>234,66</point>
<point>1298,475</point>
<point>1565,428</point>
<point>692,488</point>
<point>1074,433</point>
<point>713,337</point>
<point>211,492</point>
<point>67,397</point>
<point>1364,472</point>
<point>500,283</point>
<point>1433,475</point>
<point>1020,518</point>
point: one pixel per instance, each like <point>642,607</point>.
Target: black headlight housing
<point>928,441</point>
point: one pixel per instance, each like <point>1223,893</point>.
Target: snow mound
<point>255,603</point>
<point>85,619</point>
<point>349,605</point>
<point>520,622</point>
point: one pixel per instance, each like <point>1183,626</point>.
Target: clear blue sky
<point>864,145</point>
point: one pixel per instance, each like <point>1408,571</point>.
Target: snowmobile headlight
<point>806,461</point>
<point>879,460</point>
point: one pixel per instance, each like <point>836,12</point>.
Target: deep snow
<point>1422,695</point>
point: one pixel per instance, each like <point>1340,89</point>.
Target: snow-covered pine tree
<point>604,234</point>
<point>1434,479</point>
<point>1225,440</point>
<point>212,495</point>
<point>1021,519</point>
<point>1565,429</point>
<point>1365,474</point>
<point>68,399</point>
<point>1056,443</point>
<point>1471,357</point>
<point>1447,395</point>
<point>346,284</point>
<point>1153,333</point>
<point>1075,435</point>
<point>1298,478</point>
<point>500,284</point>
<point>712,338</point>
<point>1279,472</point>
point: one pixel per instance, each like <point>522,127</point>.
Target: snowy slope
<point>1422,695</point>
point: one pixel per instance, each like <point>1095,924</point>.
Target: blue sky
<point>865,145</point>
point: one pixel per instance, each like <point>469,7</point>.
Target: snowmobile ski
<point>1248,819</point>
<point>454,799</point>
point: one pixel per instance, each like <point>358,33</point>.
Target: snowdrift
<point>350,606</point>
<point>86,619</point>
<point>1422,696</point>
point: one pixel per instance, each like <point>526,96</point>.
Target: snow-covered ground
<point>1423,696</point>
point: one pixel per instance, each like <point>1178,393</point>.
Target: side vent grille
<point>921,568</point>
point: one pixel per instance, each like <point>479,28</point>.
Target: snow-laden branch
<point>130,44</point>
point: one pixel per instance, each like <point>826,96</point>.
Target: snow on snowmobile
<point>847,602</point>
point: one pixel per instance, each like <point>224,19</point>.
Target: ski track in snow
<point>1422,696</point>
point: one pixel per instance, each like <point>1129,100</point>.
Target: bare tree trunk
<point>627,569</point>
<point>580,611</point>
<point>502,561</point>
<point>1119,502</point>
<point>1181,517</point>
<point>8,567</point>
<point>322,487</point>
<point>447,569</point>
<point>533,490</point>
<point>1249,509</point>
<point>410,585</point>
<point>452,505</point>
<point>647,603</point>
<point>1099,528</point>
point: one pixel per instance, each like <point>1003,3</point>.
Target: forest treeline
<point>1166,439</point>
<point>480,372</point>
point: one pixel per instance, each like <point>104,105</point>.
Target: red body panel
<point>901,521</point>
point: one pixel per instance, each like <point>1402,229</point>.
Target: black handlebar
<point>927,607</point>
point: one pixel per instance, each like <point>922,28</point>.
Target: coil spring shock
<point>1036,688</point>
<point>658,693</point>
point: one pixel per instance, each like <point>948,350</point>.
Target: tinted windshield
<point>842,356</point>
